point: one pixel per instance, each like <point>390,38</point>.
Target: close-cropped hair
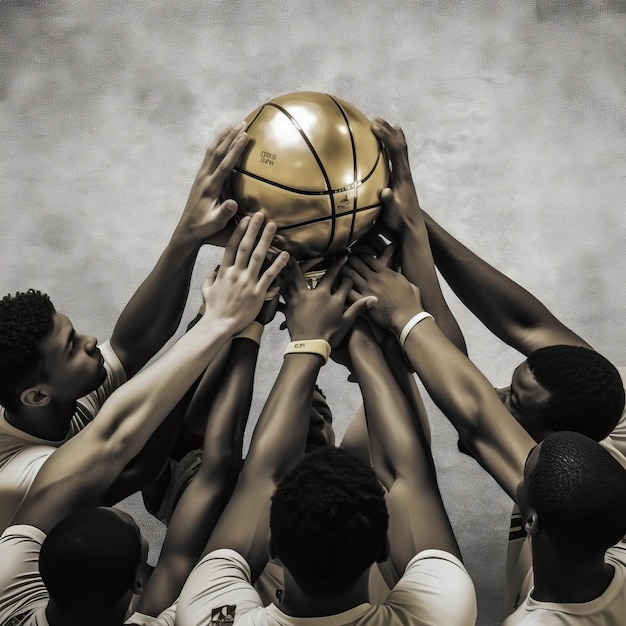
<point>90,559</point>
<point>586,390</point>
<point>329,521</point>
<point>577,489</point>
<point>25,320</point>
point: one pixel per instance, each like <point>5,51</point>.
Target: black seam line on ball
<point>316,220</point>
<point>354,169</point>
<point>319,163</point>
<point>255,118</point>
<point>306,192</point>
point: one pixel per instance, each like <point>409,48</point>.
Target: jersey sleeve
<point>218,588</point>
<point>17,474</point>
<point>21,588</point>
<point>435,589</point>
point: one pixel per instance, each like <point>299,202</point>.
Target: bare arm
<point>504,307</point>
<point>403,214</point>
<point>460,390</point>
<point>401,456</point>
<point>280,434</point>
<point>203,501</point>
<point>80,471</point>
<point>154,312</point>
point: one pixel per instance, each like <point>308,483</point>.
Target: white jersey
<point>607,610</point>
<point>435,589</point>
<point>23,595</point>
<point>22,455</point>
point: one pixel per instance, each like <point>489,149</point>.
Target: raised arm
<point>460,390</point>
<point>504,307</point>
<point>401,456</point>
<point>154,312</point>
<point>280,434</point>
<point>402,213</point>
<point>80,471</point>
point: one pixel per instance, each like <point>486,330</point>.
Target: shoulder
<point>219,582</point>
<point>22,591</point>
<point>436,587</point>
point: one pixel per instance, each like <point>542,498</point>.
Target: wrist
<point>411,323</point>
<point>253,331</point>
<point>319,347</point>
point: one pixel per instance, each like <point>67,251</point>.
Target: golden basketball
<point>315,168</point>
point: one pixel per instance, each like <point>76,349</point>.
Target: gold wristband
<point>253,331</point>
<point>309,346</point>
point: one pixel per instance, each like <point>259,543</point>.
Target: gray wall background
<point>514,113</point>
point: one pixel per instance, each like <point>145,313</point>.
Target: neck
<point>299,604</point>
<point>46,422</point>
<point>568,575</point>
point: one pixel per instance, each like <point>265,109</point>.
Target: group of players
<point>302,531</point>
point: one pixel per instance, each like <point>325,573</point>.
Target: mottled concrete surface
<point>514,112</point>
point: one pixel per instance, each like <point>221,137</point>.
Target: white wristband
<point>411,324</point>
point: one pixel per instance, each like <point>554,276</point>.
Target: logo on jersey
<point>224,614</point>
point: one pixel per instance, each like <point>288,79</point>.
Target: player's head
<point>573,491</point>
<point>328,521</point>
<point>92,560</point>
<point>321,431</point>
<point>565,388</point>
<point>42,357</point>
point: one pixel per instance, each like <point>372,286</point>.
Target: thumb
<point>359,307</point>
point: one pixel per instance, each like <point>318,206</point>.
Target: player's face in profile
<point>321,431</point>
<point>525,399</point>
<point>72,361</point>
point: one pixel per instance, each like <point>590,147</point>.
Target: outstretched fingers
<point>230,251</point>
<point>220,147</point>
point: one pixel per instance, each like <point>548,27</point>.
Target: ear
<point>386,551</point>
<point>531,526</point>
<point>35,397</point>
<point>138,578</point>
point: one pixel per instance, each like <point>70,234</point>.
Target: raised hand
<point>236,292</point>
<point>320,313</point>
<point>205,216</point>
<point>401,206</point>
<point>397,300</point>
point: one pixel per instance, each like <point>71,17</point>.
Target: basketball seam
<point>354,169</point>
<point>320,165</point>
<point>316,220</point>
<point>307,192</point>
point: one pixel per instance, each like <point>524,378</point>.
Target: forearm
<point>394,429</point>
<point>503,306</point>
<point>405,380</point>
<point>471,404</point>
<point>154,312</point>
<point>418,265</point>
<point>137,408</point>
<point>280,434</point>
<point>277,444</point>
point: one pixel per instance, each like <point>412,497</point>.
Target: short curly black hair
<point>89,559</point>
<point>586,390</point>
<point>329,521</point>
<point>577,489</point>
<point>25,320</point>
